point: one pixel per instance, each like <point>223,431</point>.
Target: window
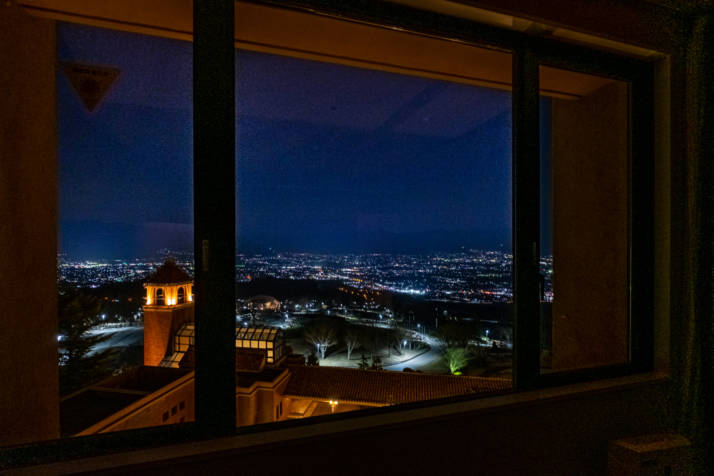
<point>312,141</point>
<point>584,221</point>
<point>124,139</point>
<point>374,215</point>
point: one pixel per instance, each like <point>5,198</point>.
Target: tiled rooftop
<point>92,404</point>
<point>384,386</point>
<point>247,360</point>
<point>169,273</point>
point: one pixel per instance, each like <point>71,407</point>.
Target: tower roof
<point>169,273</point>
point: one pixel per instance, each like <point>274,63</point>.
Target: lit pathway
<point>422,360</point>
<point>119,337</point>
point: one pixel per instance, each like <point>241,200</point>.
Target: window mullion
<point>526,219</point>
<point>214,214</point>
<point>641,224</point>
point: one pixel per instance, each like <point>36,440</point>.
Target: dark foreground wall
<point>28,233</point>
<point>563,436</point>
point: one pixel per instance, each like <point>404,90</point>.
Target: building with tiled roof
<point>272,384</point>
<point>262,303</point>
<point>379,387</point>
<point>247,360</point>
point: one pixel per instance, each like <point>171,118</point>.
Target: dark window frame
<point>214,207</point>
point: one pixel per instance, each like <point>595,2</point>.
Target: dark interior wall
<point>567,436</point>
<point>589,184</point>
<point>29,392</point>
<point>642,23</point>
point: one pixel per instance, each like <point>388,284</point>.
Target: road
<point>416,363</point>
<point>119,337</point>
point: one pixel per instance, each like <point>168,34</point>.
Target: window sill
<point>274,435</point>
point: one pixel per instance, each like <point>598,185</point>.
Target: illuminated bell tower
<point>169,305</point>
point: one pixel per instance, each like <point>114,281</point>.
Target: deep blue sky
<point>329,158</point>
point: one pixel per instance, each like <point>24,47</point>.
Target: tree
<point>453,334</point>
<point>394,338</point>
<point>377,363</point>
<point>322,336</point>
<point>77,313</point>
<point>456,359</point>
<point>312,360</point>
<point>363,364</point>
<point>478,354</point>
<point>352,341</point>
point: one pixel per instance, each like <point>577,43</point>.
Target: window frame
<point>214,208</point>
<point>640,210</point>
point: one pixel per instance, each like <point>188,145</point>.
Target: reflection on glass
<point>584,220</point>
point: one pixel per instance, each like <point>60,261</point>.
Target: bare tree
<point>394,340</point>
<point>454,334</point>
<point>456,358</point>
<point>352,341</point>
<point>322,336</point>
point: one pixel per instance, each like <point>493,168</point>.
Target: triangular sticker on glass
<point>91,82</point>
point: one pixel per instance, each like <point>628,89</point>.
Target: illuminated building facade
<point>169,305</point>
<point>263,303</point>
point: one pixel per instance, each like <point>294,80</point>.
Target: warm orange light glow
<point>170,292</point>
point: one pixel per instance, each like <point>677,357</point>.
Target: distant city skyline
<point>330,158</point>
<point>475,276</point>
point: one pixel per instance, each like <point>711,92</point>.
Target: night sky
<point>329,158</point>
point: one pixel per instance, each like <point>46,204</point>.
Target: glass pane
<point>124,115</point>
<point>374,222</point>
<point>584,220</point>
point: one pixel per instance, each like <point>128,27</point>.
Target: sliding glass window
<point>125,261</point>
<point>374,212</point>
